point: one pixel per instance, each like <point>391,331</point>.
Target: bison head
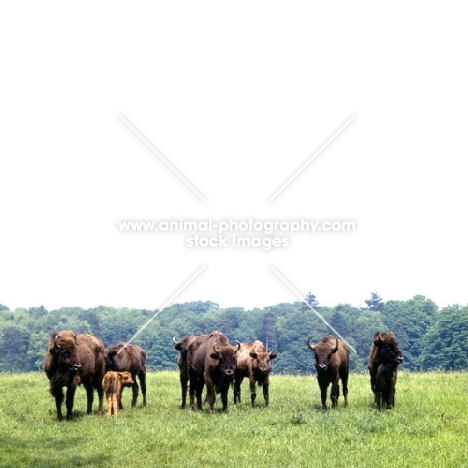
<point>125,378</point>
<point>389,352</point>
<point>64,349</point>
<point>323,352</point>
<point>110,355</point>
<point>182,344</point>
<point>226,355</point>
<point>263,360</point>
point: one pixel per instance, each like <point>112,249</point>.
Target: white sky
<point>237,97</point>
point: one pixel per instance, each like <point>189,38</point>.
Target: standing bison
<point>72,360</point>
<point>182,347</point>
<point>211,361</point>
<point>384,358</point>
<point>332,364</point>
<point>112,384</point>
<point>130,358</point>
<point>253,362</point>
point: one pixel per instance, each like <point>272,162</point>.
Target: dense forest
<point>429,337</point>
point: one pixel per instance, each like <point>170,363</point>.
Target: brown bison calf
<point>332,364</point>
<point>253,362</point>
<point>384,358</point>
<point>112,384</point>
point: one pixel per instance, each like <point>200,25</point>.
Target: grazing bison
<point>384,358</point>
<point>253,362</point>
<point>332,364</point>
<point>182,347</point>
<point>72,360</point>
<point>112,384</point>
<point>130,358</point>
<point>211,361</point>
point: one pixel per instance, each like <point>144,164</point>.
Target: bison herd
<point>204,361</point>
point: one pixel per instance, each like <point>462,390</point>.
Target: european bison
<point>182,346</point>
<point>112,384</point>
<point>130,358</point>
<point>253,362</point>
<point>384,358</point>
<point>211,361</point>
<point>72,360</point>
<point>332,364</point>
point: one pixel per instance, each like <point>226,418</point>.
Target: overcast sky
<point>232,99</point>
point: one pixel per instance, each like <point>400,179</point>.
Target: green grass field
<point>428,427</point>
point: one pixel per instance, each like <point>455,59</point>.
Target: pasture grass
<point>428,427</point>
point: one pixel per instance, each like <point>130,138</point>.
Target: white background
<point>237,96</point>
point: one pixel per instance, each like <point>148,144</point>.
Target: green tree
<point>14,344</point>
<point>269,333</point>
<point>311,300</point>
<point>375,302</point>
<point>444,345</point>
<point>410,320</point>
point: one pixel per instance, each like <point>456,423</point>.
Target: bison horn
<point>380,337</point>
<point>238,346</point>
<point>312,347</point>
<point>173,339</point>
<point>336,346</point>
<point>215,348</point>
<point>55,341</point>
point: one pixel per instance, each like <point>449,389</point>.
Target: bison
<point>211,361</point>
<point>182,347</point>
<point>130,358</point>
<point>253,362</point>
<point>72,360</point>
<point>112,384</point>
<point>332,364</point>
<point>384,358</point>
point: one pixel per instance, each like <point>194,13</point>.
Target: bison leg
<point>89,398</point>
<point>119,398</point>
<point>135,389</point>
<point>192,392</point>
<point>100,392</point>
<point>210,395</point>
<point>344,381</point>
<point>110,405</point>
<point>115,405</point>
<point>323,396</point>
<point>253,392</point>
<point>237,388</point>
<point>199,391</point>
<point>266,388</point>
<point>142,378</point>
<point>323,383</point>
<point>377,399</point>
<point>372,380</point>
<point>69,401</point>
<point>335,393</point>
<point>224,399</point>
<point>183,386</point>
<point>389,397</point>
<point>195,390</point>
<point>58,394</point>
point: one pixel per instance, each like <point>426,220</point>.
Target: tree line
<point>429,337</point>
